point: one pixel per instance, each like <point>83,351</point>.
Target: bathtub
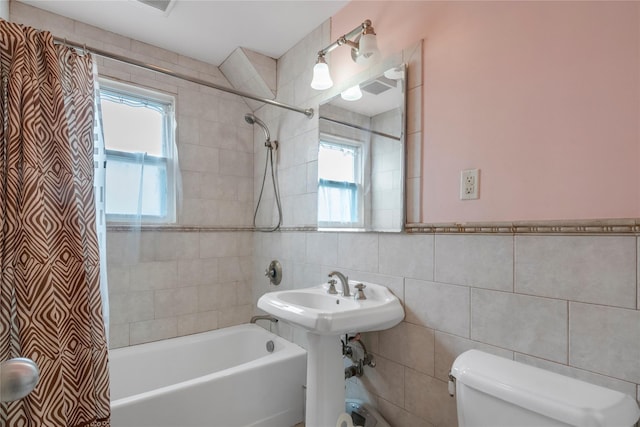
<point>222,378</point>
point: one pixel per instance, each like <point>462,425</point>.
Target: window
<point>339,182</point>
<point>138,127</point>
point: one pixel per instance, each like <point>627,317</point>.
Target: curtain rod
<point>307,112</point>
<point>375,132</point>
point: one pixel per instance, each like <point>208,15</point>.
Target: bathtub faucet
<point>270,318</point>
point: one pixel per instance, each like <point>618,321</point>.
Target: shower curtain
<point>50,305</point>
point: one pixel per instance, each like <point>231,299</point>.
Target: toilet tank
<point>494,391</point>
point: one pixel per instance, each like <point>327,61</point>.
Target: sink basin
<point>319,312</point>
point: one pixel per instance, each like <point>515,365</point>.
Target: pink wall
<point>543,97</point>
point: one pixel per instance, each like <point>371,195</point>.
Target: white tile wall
<point>532,325</point>
<point>437,305</point>
<point>605,340</point>
<point>592,342</point>
<point>448,347</point>
<point>579,268</point>
<point>477,261</point>
<point>407,256</point>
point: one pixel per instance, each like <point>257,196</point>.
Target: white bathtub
<point>222,378</point>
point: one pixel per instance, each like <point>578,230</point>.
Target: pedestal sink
<point>325,317</point>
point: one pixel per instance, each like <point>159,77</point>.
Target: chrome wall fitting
<point>274,272</point>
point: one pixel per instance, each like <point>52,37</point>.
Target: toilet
<point>492,391</point>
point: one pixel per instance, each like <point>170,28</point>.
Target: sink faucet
<point>345,282</point>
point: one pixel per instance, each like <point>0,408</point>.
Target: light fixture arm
<point>344,40</point>
<point>363,47</point>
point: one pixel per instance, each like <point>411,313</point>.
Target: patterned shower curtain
<point>50,306</point>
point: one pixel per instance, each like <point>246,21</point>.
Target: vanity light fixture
<point>352,94</point>
<point>363,47</point>
<point>321,76</point>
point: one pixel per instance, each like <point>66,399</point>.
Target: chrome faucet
<point>345,282</point>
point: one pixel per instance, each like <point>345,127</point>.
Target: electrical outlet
<point>469,184</point>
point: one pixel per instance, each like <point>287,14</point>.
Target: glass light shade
<point>352,94</point>
<point>367,48</point>
<point>321,77</point>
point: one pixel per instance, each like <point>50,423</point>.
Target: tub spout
<point>272,319</point>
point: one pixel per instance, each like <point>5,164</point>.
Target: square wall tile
<point>154,275</point>
<point>131,307</point>
<point>153,330</point>
<point>410,345</point>
<point>118,335</point>
<point>217,245</point>
<point>531,325</point>
<point>399,417</point>
<point>175,302</point>
<point>475,260</point>
<point>438,306</point>
<point>590,377</point>
<point>593,269</point>
<point>358,251</point>
<point>322,248</point>
<point>448,347</point>
<point>605,340</point>
<point>197,322</point>
<point>405,255</point>
<point>386,380</point>
<point>429,399</point>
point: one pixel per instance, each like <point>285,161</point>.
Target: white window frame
<point>359,146</point>
<point>167,103</point>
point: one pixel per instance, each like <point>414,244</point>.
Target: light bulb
<point>321,76</point>
<point>352,94</point>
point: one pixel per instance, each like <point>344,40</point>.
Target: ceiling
<point>207,30</point>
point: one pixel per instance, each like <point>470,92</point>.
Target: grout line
<point>568,332</point>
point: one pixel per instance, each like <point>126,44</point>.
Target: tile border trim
<point>599,226</point>
<point>192,228</point>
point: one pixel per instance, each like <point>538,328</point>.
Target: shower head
<point>252,119</point>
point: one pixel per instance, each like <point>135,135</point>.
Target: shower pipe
<point>306,111</point>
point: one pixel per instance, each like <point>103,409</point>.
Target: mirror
<point>361,156</point>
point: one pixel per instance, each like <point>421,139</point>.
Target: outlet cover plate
<point>470,184</point>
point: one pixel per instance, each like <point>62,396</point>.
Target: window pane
<point>132,128</point>
<point>337,163</point>
<point>124,194</point>
<point>337,203</point>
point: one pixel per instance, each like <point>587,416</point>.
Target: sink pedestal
<point>326,317</point>
<point>325,380</point>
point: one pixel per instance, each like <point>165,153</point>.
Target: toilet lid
<point>556,396</point>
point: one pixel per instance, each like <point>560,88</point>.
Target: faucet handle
<point>360,287</point>
<point>332,287</point>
